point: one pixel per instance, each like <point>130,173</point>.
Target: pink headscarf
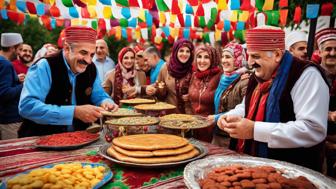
<point>237,52</point>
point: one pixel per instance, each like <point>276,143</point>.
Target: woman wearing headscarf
<point>124,81</point>
<point>174,78</point>
<point>203,85</point>
<point>231,88</point>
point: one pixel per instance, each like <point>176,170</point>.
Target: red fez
<point>138,48</point>
<point>325,35</point>
<point>265,38</point>
<point>75,34</point>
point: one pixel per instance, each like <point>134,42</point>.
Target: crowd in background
<point>197,79</point>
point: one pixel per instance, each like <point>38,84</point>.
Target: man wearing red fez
<point>283,115</point>
<point>62,92</point>
<point>326,41</point>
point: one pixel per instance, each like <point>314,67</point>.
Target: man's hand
<point>21,77</point>
<point>88,113</point>
<point>109,106</point>
<point>332,116</point>
<point>150,90</point>
<point>236,126</point>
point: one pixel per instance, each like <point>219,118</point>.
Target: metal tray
<point>198,169</point>
<point>203,151</point>
<point>68,147</point>
<point>107,174</point>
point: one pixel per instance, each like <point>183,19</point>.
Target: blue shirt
<point>103,67</point>
<point>154,73</point>
<point>10,89</point>
<point>36,88</point>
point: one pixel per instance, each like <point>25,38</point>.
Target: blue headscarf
<point>224,83</point>
<point>154,73</point>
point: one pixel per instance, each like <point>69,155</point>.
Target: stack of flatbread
<point>151,149</point>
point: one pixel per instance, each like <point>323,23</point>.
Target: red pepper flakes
<point>66,139</point>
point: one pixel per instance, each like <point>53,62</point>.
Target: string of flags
<point>158,20</point>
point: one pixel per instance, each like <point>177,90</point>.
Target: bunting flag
<point>268,5</point>
<point>327,9</point>
<point>297,15</point>
<point>163,20</point>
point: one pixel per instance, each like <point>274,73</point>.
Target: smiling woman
<point>203,85</point>
<point>124,81</point>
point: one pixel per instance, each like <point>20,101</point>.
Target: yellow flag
<point>76,22</point>
<point>92,11</point>
<point>218,35</point>
<point>174,32</point>
<point>244,16</point>
<point>234,15</point>
<point>162,18</point>
<point>221,5</point>
<point>107,12</point>
<point>92,2</point>
<point>172,18</point>
<point>157,39</point>
<point>137,33</point>
<point>268,5</point>
<point>142,15</point>
<point>2,4</point>
<point>118,32</point>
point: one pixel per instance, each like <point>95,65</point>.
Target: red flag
<point>193,2</point>
<point>327,9</point>
<point>246,5</point>
<point>181,19</point>
<point>283,3</point>
<point>85,13</point>
<point>31,7</point>
<point>147,4</point>
<point>59,22</point>
<point>175,7</point>
<point>297,15</point>
<point>54,11</point>
<point>200,10</point>
<point>133,3</point>
<point>283,17</point>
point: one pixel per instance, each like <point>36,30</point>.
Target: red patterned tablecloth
<point>19,155</point>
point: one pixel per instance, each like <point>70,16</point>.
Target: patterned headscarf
<point>122,75</point>
<point>238,53</point>
<point>175,67</point>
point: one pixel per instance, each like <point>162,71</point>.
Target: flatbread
<point>156,106</point>
<point>142,153</point>
<point>152,160</point>
<point>132,153</point>
<point>137,101</point>
<point>150,142</point>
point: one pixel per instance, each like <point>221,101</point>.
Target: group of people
<point>267,100</point>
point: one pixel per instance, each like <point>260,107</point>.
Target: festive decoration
<point>165,20</point>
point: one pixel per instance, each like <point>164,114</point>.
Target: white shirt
<point>310,96</point>
<point>103,67</point>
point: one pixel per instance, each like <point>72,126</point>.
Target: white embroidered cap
<point>294,37</point>
<point>10,39</point>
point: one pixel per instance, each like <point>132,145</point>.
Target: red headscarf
<point>122,75</point>
<point>214,60</point>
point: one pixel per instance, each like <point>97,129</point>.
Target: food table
<point>19,155</point>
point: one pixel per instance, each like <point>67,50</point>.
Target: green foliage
<point>33,33</point>
<point>115,46</point>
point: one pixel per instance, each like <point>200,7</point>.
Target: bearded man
<point>284,113</point>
